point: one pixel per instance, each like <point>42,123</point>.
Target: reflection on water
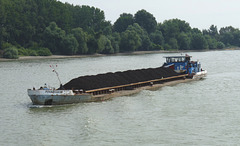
<point>202,112</point>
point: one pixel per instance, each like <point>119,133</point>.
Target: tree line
<point>46,27</point>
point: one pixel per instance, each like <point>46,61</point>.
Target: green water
<point>205,112</point>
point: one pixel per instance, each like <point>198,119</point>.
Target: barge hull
<point>55,99</point>
<point>59,99</point>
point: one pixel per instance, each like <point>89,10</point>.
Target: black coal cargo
<point>118,78</point>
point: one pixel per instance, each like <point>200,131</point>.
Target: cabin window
<point>187,58</point>
<point>175,59</point>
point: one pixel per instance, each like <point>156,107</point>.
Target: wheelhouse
<point>183,64</point>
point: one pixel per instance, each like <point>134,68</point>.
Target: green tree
<point>212,42</point>
<point>123,22</point>
<point>198,42</point>
<point>157,37</point>
<point>54,37</point>
<point>2,21</point>
<point>145,40</point>
<point>82,38</point>
<point>230,36</point>
<point>115,39</point>
<point>167,47</point>
<point>172,28</point>
<point>99,22</point>
<point>69,45</point>
<point>130,41</point>
<point>173,43</point>
<point>184,41</point>
<point>92,44</point>
<point>107,30</point>
<point>10,53</point>
<point>30,24</point>
<point>44,52</point>
<point>195,30</point>
<point>146,43</point>
<point>220,45</point>
<point>89,18</point>
<point>157,47</point>
<point>213,32</point>
<point>227,38</point>
<point>146,20</point>
<point>104,45</point>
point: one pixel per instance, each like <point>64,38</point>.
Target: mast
<point>54,70</point>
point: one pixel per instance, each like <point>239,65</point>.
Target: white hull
<point>200,75</point>
<point>56,97</point>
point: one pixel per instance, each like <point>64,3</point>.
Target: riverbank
<point>97,55</point>
<point>84,56</point>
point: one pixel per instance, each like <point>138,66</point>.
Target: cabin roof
<point>176,56</point>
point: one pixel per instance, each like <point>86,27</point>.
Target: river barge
<point>176,69</point>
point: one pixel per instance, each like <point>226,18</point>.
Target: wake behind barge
<point>101,87</point>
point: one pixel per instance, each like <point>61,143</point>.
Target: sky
<point>199,14</point>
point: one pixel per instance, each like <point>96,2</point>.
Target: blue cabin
<point>183,64</point>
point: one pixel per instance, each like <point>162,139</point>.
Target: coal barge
<point>102,87</point>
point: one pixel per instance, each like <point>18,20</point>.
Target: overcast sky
<point>198,13</point>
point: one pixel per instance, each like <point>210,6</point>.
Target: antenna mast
<point>54,70</point>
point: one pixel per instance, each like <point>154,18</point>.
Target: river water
<point>205,112</point>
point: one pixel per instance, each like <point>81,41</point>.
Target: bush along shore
<point>50,27</point>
